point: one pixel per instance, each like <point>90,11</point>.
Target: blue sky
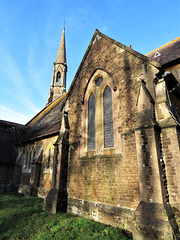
<point>30,32</point>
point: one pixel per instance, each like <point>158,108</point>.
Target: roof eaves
<point>13,123</point>
<point>41,137</point>
<point>46,109</point>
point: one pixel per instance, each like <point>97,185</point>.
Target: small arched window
<point>26,161</point>
<point>91,122</point>
<point>58,77</point>
<point>49,158</point>
<point>29,160</point>
<point>108,118</point>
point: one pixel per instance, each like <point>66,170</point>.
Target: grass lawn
<point>23,218</point>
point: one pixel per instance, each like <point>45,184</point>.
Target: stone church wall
<point>112,151</point>
<point>105,186</point>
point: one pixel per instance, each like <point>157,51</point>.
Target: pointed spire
<point>58,85</point>
<point>61,55</point>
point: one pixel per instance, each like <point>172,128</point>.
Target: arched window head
<point>58,79</point>
<point>91,122</point>
<point>108,118</point>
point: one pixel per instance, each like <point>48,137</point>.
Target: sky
<point>30,33</point>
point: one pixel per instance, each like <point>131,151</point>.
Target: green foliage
<point>23,218</point>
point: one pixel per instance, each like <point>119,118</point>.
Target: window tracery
<point>100,87</point>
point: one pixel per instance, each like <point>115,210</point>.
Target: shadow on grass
<point>22,218</point>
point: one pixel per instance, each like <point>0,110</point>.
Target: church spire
<point>58,86</point>
<point>61,55</point>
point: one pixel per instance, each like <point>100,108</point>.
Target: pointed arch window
<point>29,160</point>
<point>108,118</point>
<point>58,77</point>
<point>49,158</point>
<point>26,162</point>
<point>91,122</point>
<point>99,125</point>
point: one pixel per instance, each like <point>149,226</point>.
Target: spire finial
<point>64,24</point>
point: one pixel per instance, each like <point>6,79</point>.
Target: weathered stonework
<point>131,175</point>
<point>37,178</point>
<point>122,167</point>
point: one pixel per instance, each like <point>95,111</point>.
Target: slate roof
<point>6,124</point>
<point>167,53</point>
<point>46,122</point>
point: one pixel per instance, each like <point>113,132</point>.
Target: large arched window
<point>100,122</point>
<point>91,122</point>
<point>108,118</point>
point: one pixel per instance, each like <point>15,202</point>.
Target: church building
<point>107,149</point>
